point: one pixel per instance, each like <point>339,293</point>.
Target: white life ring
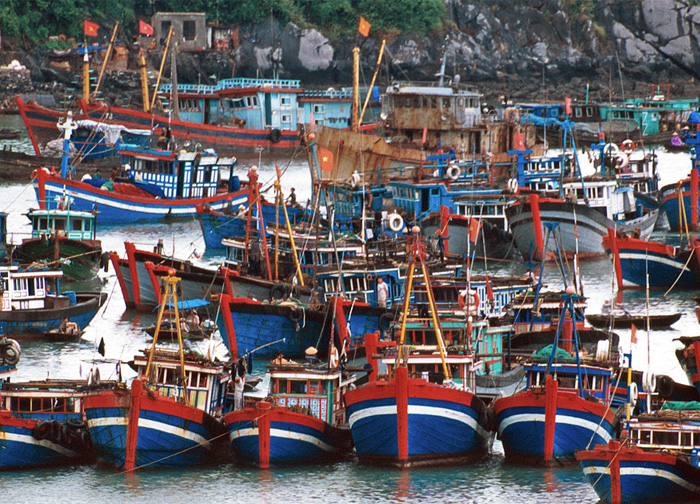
<point>622,162</point>
<point>648,382</point>
<point>634,393</point>
<point>627,146</point>
<point>355,180</point>
<point>468,297</point>
<point>395,222</point>
<point>453,172</point>
<point>513,186</point>
<point>610,149</point>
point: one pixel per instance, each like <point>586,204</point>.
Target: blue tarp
<point>694,117</point>
<point>189,304</point>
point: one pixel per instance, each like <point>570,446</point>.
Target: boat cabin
<point>173,174</point>
<point>668,429</point>
<point>69,223</point>
<point>312,389</point>
<point>31,289</point>
<point>59,400</point>
<point>595,379</point>
<point>206,381</point>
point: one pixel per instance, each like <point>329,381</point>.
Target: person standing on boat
<point>238,387</point>
<point>382,292</point>
<point>292,198</point>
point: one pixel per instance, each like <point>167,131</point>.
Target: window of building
<point>189,31</point>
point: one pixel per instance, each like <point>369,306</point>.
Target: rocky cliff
<point>527,52</point>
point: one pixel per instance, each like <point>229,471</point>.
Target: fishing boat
<point>192,327</point>
<point>642,262</point>
<point>680,199</point>
<point>235,115</point>
<point>41,423</point>
<point>406,421</point>
<point>31,304</point>
<point>232,223</point>
<point>656,459</point>
<point>66,238</point>
<point>302,421</point>
<point>140,273</point>
<point>626,320</point>
<point>168,417</point>
<point>689,359</point>
<point>154,184</point>
<point>565,406</point>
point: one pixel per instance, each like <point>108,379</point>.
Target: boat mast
<point>107,56</point>
<point>171,284</point>
<point>355,89</point>
<point>374,78</point>
<point>144,81</point>
<point>418,258</point>
<point>162,65</point>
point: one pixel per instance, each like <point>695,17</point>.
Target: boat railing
<point>325,93</point>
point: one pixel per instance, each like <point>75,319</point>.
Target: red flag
<point>567,106</point>
<point>326,159</point>
<point>474,227</point>
<point>633,334</point>
<point>364,27</point>
<point>145,28</point>
<point>489,290</point>
<point>90,28</point>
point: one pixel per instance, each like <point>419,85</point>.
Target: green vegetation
<point>34,21</point>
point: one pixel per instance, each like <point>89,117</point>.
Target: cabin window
<point>319,109</point>
<point>416,102</point>
<point>577,112</point>
<point>665,438</point>
<point>589,111</point>
<point>287,118</point>
<point>408,103</point>
<point>59,224</point>
<point>76,225</point>
<point>285,101</point>
<point>425,102</point>
<point>445,103</point>
<point>433,102</point>
<point>189,30</point>
<point>460,102</point>
<point>165,28</point>
<point>43,223</point>
<point>297,387</point>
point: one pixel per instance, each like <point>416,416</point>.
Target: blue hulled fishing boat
<point>407,421</point>
<point>302,422</point>
<point>167,417</point>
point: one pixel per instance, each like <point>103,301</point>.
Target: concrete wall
<point>190,30</point>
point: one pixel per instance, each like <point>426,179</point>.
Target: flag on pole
<point>90,28</point>
<point>633,334</point>
<point>474,228</point>
<point>364,27</point>
<point>145,28</point>
<point>489,290</point>
<point>326,159</point>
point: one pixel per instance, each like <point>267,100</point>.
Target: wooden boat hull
<point>23,446</point>
<point>492,242</point>
<point>246,326</point>
<point>631,475</point>
<point>115,208</point>
<point>662,265</point>
<point>407,422</point>
<point>139,428</point>
<point>140,273</point>
<point>580,228</point>
<point>79,259</point>
<point>25,323</point>
<point>218,225</point>
<point>626,321</point>
<point>267,435</point>
<point>542,427</point>
<point>669,200</point>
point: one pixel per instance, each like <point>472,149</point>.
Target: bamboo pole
<point>106,60</point>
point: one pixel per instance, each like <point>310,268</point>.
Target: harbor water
<point>491,480</point>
